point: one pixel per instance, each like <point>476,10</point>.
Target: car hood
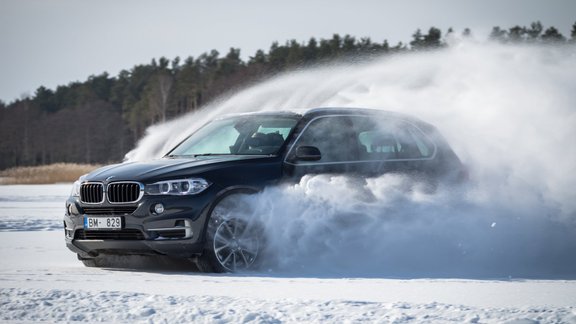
<point>167,168</point>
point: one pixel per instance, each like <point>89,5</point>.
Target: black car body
<point>170,206</point>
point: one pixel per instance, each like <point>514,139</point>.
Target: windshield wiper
<point>210,154</point>
<point>177,156</point>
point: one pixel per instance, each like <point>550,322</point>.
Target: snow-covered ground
<point>40,280</point>
<point>501,250</point>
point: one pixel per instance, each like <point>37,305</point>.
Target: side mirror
<point>308,153</point>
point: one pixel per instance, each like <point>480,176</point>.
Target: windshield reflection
<point>245,135</point>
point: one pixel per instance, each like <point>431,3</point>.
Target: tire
<point>234,239</point>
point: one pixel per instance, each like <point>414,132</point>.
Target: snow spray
<point>508,111</point>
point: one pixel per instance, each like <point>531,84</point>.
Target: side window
<point>413,144</point>
<point>334,136</point>
<point>362,138</point>
<point>386,139</point>
<point>379,145</point>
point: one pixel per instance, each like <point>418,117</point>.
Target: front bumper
<point>177,232</point>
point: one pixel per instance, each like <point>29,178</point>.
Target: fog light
<point>159,208</point>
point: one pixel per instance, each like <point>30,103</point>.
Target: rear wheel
<point>234,239</point>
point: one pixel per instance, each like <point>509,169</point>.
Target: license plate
<point>102,222</point>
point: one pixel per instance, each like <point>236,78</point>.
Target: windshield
<point>243,135</point>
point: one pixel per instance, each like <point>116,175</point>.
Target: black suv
<point>184,205</point>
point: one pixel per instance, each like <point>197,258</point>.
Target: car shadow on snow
<point>163,265</point>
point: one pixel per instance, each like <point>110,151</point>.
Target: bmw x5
<point>183,205</point>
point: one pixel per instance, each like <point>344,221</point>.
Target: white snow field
<point>40,280</point>
<point>499,249</point>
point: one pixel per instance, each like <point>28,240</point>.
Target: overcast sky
<point>55,42</point>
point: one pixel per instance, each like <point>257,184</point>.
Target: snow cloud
<point>508,111</point>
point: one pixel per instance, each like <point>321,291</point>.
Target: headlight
<point>76,187</point>
<point>191,186</point>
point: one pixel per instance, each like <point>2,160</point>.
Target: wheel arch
<point>247,190</point>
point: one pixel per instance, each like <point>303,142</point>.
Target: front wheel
<point>234,239</point>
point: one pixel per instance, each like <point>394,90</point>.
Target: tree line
<point>100,119</point>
